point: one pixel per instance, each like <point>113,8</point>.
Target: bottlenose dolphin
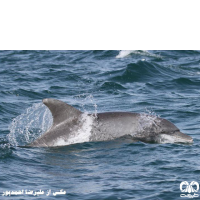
<point>71,126</point>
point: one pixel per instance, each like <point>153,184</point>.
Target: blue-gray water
<point>164,83</point>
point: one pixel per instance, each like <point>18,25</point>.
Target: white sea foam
<point>82,135</point>
<point>124,53</point>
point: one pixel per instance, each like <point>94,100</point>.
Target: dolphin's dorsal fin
<point>60,110</point>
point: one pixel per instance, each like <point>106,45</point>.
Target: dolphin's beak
<point>176,137</point>
<point>182,138</point>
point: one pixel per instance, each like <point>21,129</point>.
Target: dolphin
<point>70,125</point>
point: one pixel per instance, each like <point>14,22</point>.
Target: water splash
<point>5,149</point>
<point>28,126</point>
<point>125,53</point>
<point>148,119</point>
<point>37,119</point>
<point>85,99</point>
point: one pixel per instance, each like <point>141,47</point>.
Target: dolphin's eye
<point>170,133</point>
<point>173,132</point>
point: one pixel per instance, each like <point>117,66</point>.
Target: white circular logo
<point>189,187</point>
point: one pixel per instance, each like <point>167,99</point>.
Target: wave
<point>141,71</point>
<point>178,84</point>
<point>111,85</point>
<point>125,53</point>
<point>186,81</point>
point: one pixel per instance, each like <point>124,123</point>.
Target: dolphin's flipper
<point>61,111</point>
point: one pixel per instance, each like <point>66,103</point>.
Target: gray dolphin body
<point>71,126</point>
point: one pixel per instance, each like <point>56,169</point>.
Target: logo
<point>189,188</point>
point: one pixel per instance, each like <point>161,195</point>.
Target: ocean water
<point>162,83</point>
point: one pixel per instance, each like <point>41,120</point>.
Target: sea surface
<point>160,83</point>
